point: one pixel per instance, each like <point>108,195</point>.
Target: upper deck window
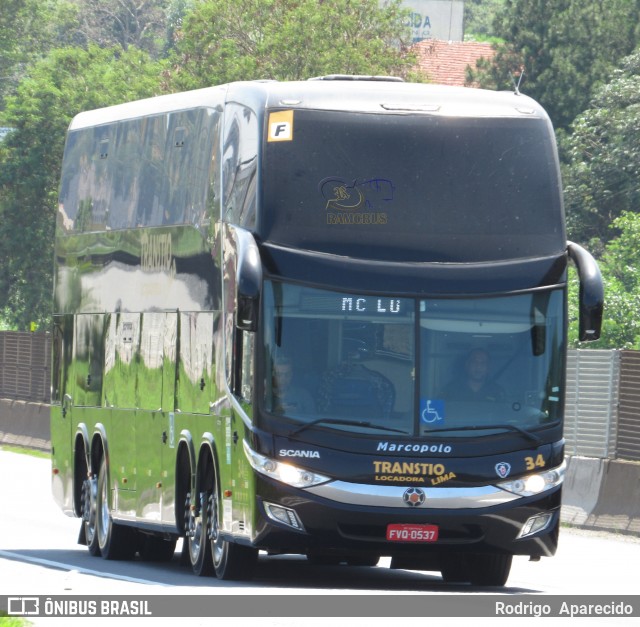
<point>411,187</point>
<point>141,172</point>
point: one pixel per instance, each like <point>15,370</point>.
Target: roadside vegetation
<point>12,621</point>
<point>581,60</point>
<point>25,451</point>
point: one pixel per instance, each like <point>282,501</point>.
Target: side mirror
<point>248,282</point>
<point>591,292</point>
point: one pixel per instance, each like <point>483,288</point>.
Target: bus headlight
<point>283,472</point>
<point>535,484</point>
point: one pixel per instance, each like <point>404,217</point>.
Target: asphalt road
<point>39,555</point>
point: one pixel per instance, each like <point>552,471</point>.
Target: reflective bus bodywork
<point>321,317</point>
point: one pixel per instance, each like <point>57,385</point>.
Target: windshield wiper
<point>348,423</point>
<point>527,434</point>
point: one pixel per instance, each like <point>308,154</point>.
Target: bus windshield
<point>457,367</point>
<point>413,187</point>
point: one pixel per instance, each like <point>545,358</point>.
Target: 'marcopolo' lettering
<point>413,448</point>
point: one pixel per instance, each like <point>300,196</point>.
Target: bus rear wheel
<point>198,545</point>
<point>116,542</point>
<point>89,497</point>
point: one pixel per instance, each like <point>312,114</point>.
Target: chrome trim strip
<point>391,496</point>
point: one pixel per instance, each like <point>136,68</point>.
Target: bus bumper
<point>317,525</point>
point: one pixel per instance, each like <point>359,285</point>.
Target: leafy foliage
<point>143,24</point>
<point>620,266</point>
<point>564,48</point>
<point>216,41</point>
<point>567,48</point>
<point>227,40</point>
<point>28,30</point>
<point>479,16</point>
<point>65,82</point>
<point>603,158</point>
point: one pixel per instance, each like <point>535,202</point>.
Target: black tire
<point>92,543</point>
<point>231,561</point>
<point>490,570</point>
<point>116,542</point>
<point>478,569</point>
<point>455,569</point>
<point>234,561</point>
<point>198,545</point>
<point>89,508</point>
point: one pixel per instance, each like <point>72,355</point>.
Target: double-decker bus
<point>325,317</point>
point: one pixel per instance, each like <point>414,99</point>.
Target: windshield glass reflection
<point>455,367</point>
<point>490,362</point>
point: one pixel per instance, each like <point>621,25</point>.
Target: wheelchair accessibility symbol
<point>431,411</point>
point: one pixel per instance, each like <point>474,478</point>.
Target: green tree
<point>564,48</point>
<point>143,24</point>
<point>620,267</point>
<point>55,88</point>
<point>175,16</point>
<point>227,40</point>
<point>28,30</point>
<point>602,158</point>
<point>479,18</point>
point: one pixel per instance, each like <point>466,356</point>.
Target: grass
<point>12,621</point>
<point>25,451</point>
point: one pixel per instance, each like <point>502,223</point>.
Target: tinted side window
<point>240,161</point>
<point>143,172</point>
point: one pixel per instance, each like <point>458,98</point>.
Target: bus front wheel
<point>230,560</point>
<point>490,569</point>
<point>199,547</point>
<point>477,569</point>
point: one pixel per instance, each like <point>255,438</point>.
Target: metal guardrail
<point>25,366</point>
<point>602,410</point>
<point>628,435</point>
<point>591,403</point>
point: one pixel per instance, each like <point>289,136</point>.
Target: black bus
<point>325,317</point>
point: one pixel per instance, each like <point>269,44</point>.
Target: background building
<point>436,19</point>
<point>446,62</point>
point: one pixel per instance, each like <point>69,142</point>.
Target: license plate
<point>412,533</point>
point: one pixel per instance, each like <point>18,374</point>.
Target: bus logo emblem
<point>414,497</point>
<point>503,469</point>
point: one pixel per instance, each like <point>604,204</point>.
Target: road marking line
<point>68,567</point>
